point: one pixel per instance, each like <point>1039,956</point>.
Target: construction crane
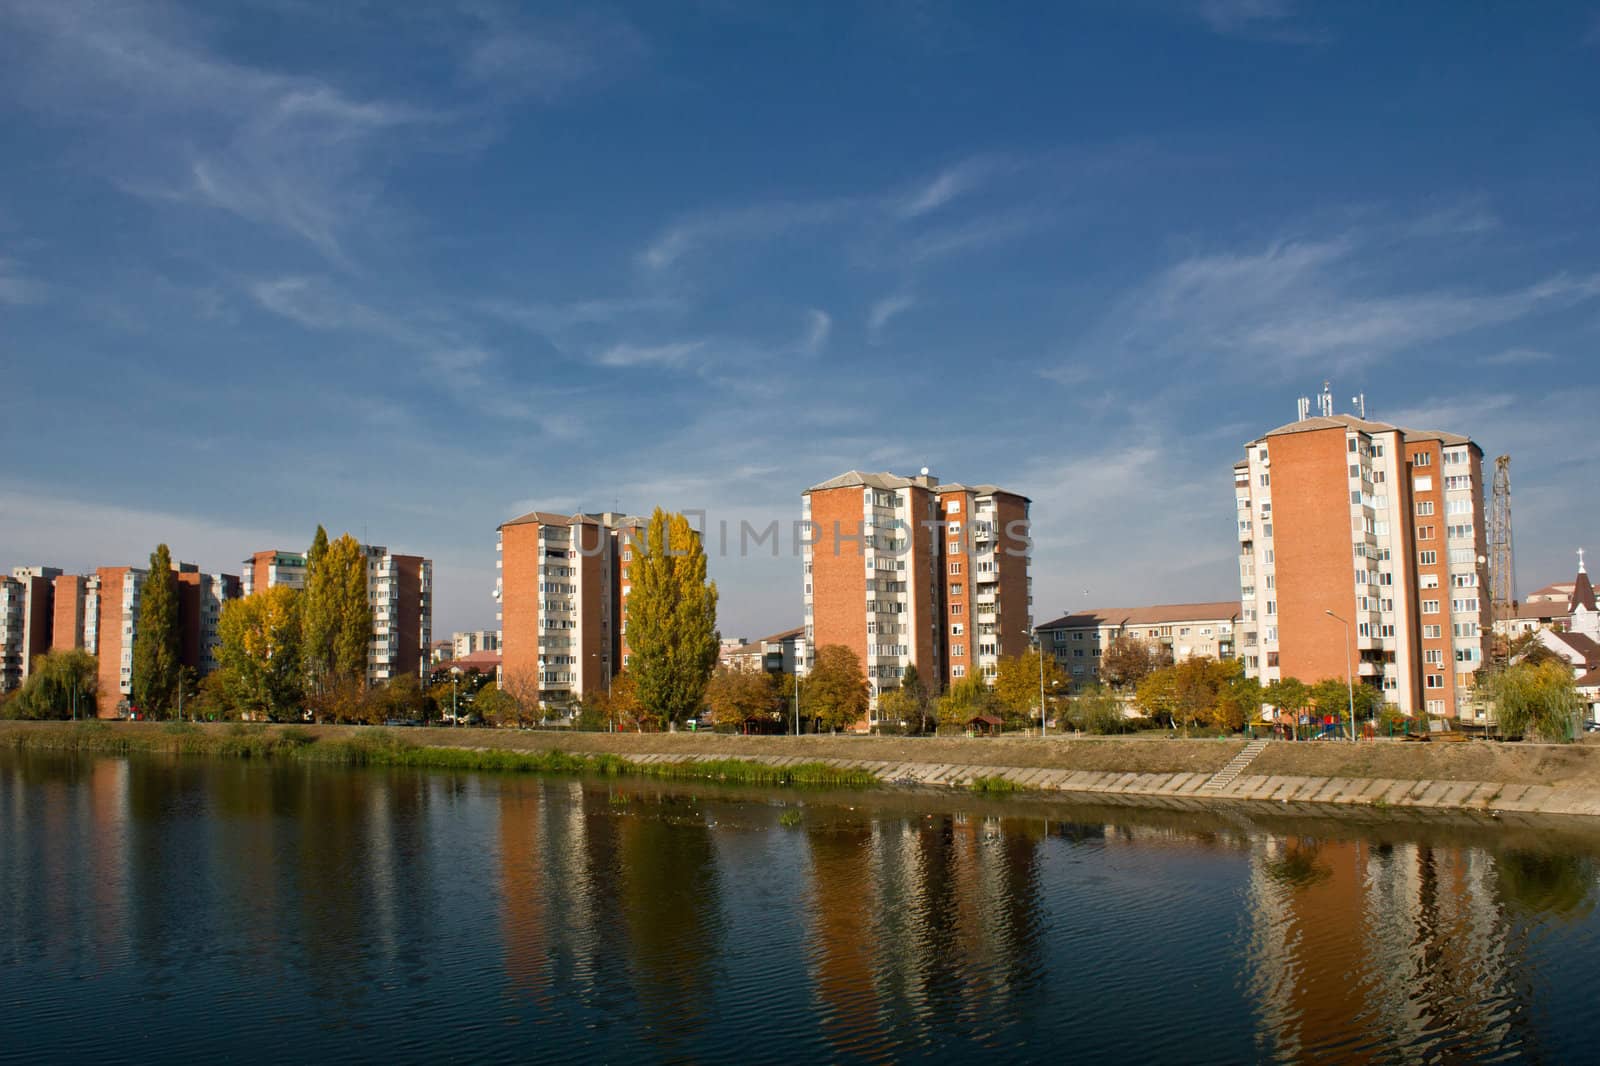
<point>1502,573</point>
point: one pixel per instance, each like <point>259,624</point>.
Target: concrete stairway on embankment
<point>1236,765</point>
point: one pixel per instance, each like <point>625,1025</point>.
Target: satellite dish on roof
<point>924,471</point>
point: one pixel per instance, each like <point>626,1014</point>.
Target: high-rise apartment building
<point>905,570</point>
<point>1350,525</point>
<point>399,591</point>
<point>27,621</point>
<point>562,591</point>
<point>111,623</point>
<point>271,568</point>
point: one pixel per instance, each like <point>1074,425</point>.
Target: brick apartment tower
<point>110,612</point>
<point>562,591</point>
<point>904,570</point>
<point>27,621</point>
<point>1382,526</point>
<point>399,591</point>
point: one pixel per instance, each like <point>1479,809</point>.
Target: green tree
<point>897,709</point>
<point>1290,696</point>
<point>319,615</point>
<point>1128,660</point>
<point>1017,685</point>
<point>1097,710</point>
<point>57,682</point>
<point>921,716</point>
<point>1158,696</point>
<point>1534,700</point>
<point>963,701</point>
<point>495,706</point>
<point>346,568</point>
<point>156,651</point>
<point>1238,703</point>
<point>735,697</point>
<point>835,692</point>
<point>260,653</point>
<point>672,619</point>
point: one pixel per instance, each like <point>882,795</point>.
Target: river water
<point>224,910</point>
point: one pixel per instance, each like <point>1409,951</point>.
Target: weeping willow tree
<point>1534,699</point>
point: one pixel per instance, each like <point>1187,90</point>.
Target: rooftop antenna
<point>1359,402</point>
<point>1325,401</point>
<point>1303,407</point>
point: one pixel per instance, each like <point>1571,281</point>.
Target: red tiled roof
<point>482,661</point>
<point>1160,614</point>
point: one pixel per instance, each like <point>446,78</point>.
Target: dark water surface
<point>230,911</point>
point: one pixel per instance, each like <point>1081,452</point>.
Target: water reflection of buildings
<point>1358,950</point>
<point>932,921</point>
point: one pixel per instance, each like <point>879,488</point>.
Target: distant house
<point>1188,630</point>
<point>779,653</point>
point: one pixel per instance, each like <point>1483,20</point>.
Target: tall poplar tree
<point>672,619</point>
<point>345,568</point>
<point>317,615</point>
<point>156,659</point>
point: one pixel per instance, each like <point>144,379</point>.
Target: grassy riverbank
<point>723,757</point>
<point>379,747</point>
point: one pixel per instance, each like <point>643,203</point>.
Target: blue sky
<point>409,270</point>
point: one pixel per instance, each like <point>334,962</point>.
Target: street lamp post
<point>455,714</point>
<point>1038,640</point>
<point>1349,676</point>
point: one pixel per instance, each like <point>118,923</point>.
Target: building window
<point>1434,681</point>
<point>1422,459</point>
<point>1430,606</point>
<point>955,568</point>
<point>958,671</point>
<point>1266,479</point>
<point>956,629</point>
<point>1428,558</point>
<point>955,608</point>
<point>1424,507</point>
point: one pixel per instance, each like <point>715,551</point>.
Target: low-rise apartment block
<point>1351,526</point>
<point>1187,630</point>
<point>465,644</point>
<point>562,591</point>
<point>905,570</point>
<point>779,653</point>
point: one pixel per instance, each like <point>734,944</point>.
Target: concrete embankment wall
<point>1190,789</point>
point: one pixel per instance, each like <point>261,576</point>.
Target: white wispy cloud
<point>819,325</point>
<point>547,57</point>
<point>1466,218</point>
<point>552,318</point>
<point>883,311</point>
<point>946,186</point>
<point>754,222</point>
<point>183,123</point>
<point>634,355</point>
<point>1277,21</point>
<point>1303,303</point>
